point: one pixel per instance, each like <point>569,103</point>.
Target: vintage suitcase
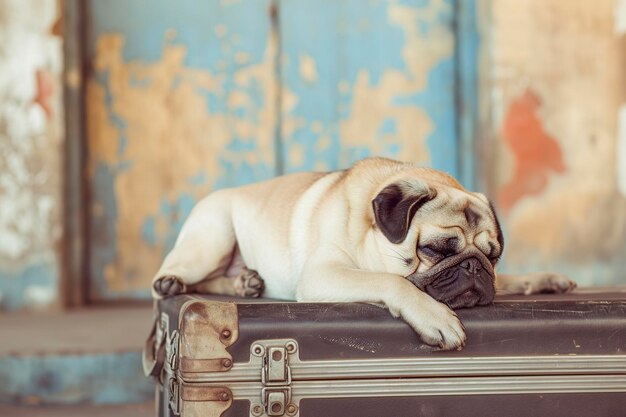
<point>545,355</point>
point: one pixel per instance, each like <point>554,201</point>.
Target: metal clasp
<point>276,369</point>
<point>275,377</point>
<point>171,351</point>
<point>275,400</point>
<point>173,395</point>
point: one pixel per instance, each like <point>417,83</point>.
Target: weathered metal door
<point>185,97</point>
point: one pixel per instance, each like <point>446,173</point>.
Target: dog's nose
<point>472,265</point>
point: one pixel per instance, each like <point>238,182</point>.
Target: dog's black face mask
<point>463,277</point>
<point>463,280</point>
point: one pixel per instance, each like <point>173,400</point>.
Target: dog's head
<point>441,237</point>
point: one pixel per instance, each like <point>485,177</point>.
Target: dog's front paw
<point>249,284</point>
<point>437,325</point>
<point>547,282</point>
<point>168,286</point>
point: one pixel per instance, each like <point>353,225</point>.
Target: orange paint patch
<point>45,91</point>
<point>535,152</point>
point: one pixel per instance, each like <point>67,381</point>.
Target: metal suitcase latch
<point>276,369</point>
<point>171,351</point>
<point>173,395</point>
<point>276,378</point>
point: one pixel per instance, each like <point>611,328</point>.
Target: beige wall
<point>554,155</point>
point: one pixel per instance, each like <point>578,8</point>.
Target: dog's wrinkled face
<point>442,238</point>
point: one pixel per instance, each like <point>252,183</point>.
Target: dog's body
<point>381,232</point>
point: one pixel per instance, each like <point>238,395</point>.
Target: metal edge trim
<point>424,367</point>
<point>439,387</point>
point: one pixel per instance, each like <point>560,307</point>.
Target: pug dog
<point>409,238</point>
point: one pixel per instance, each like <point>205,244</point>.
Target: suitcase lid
<point>589,321</point>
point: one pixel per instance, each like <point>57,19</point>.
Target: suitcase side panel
<point>553,405</point>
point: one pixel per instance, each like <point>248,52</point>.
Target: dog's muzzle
<point>464,280</point>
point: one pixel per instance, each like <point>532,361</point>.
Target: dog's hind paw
<point>249,284</point>
<point>548,282</point>
<point>168,286</point>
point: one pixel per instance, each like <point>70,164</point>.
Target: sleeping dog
<point>385,232</point>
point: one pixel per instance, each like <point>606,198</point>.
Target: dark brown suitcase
<point>537,356</point>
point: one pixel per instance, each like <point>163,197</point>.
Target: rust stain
<point>535,151</point>
<point>45,91</point>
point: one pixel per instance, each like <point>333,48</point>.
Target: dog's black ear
<point>394,208</point>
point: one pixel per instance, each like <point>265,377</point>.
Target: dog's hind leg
<point>203,251</point>
<point>534,283</point>
<point>247,283</point>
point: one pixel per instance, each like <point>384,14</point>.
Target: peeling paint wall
<point>367,78</point>
<point>179,102</point>
<point>31,137</point>
<point>187,97</point>
<point>556,157</point>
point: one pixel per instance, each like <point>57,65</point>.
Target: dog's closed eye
<point>440,248</point>
<point>436,252</point>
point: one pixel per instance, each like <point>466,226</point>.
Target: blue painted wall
<point>368,81</point>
